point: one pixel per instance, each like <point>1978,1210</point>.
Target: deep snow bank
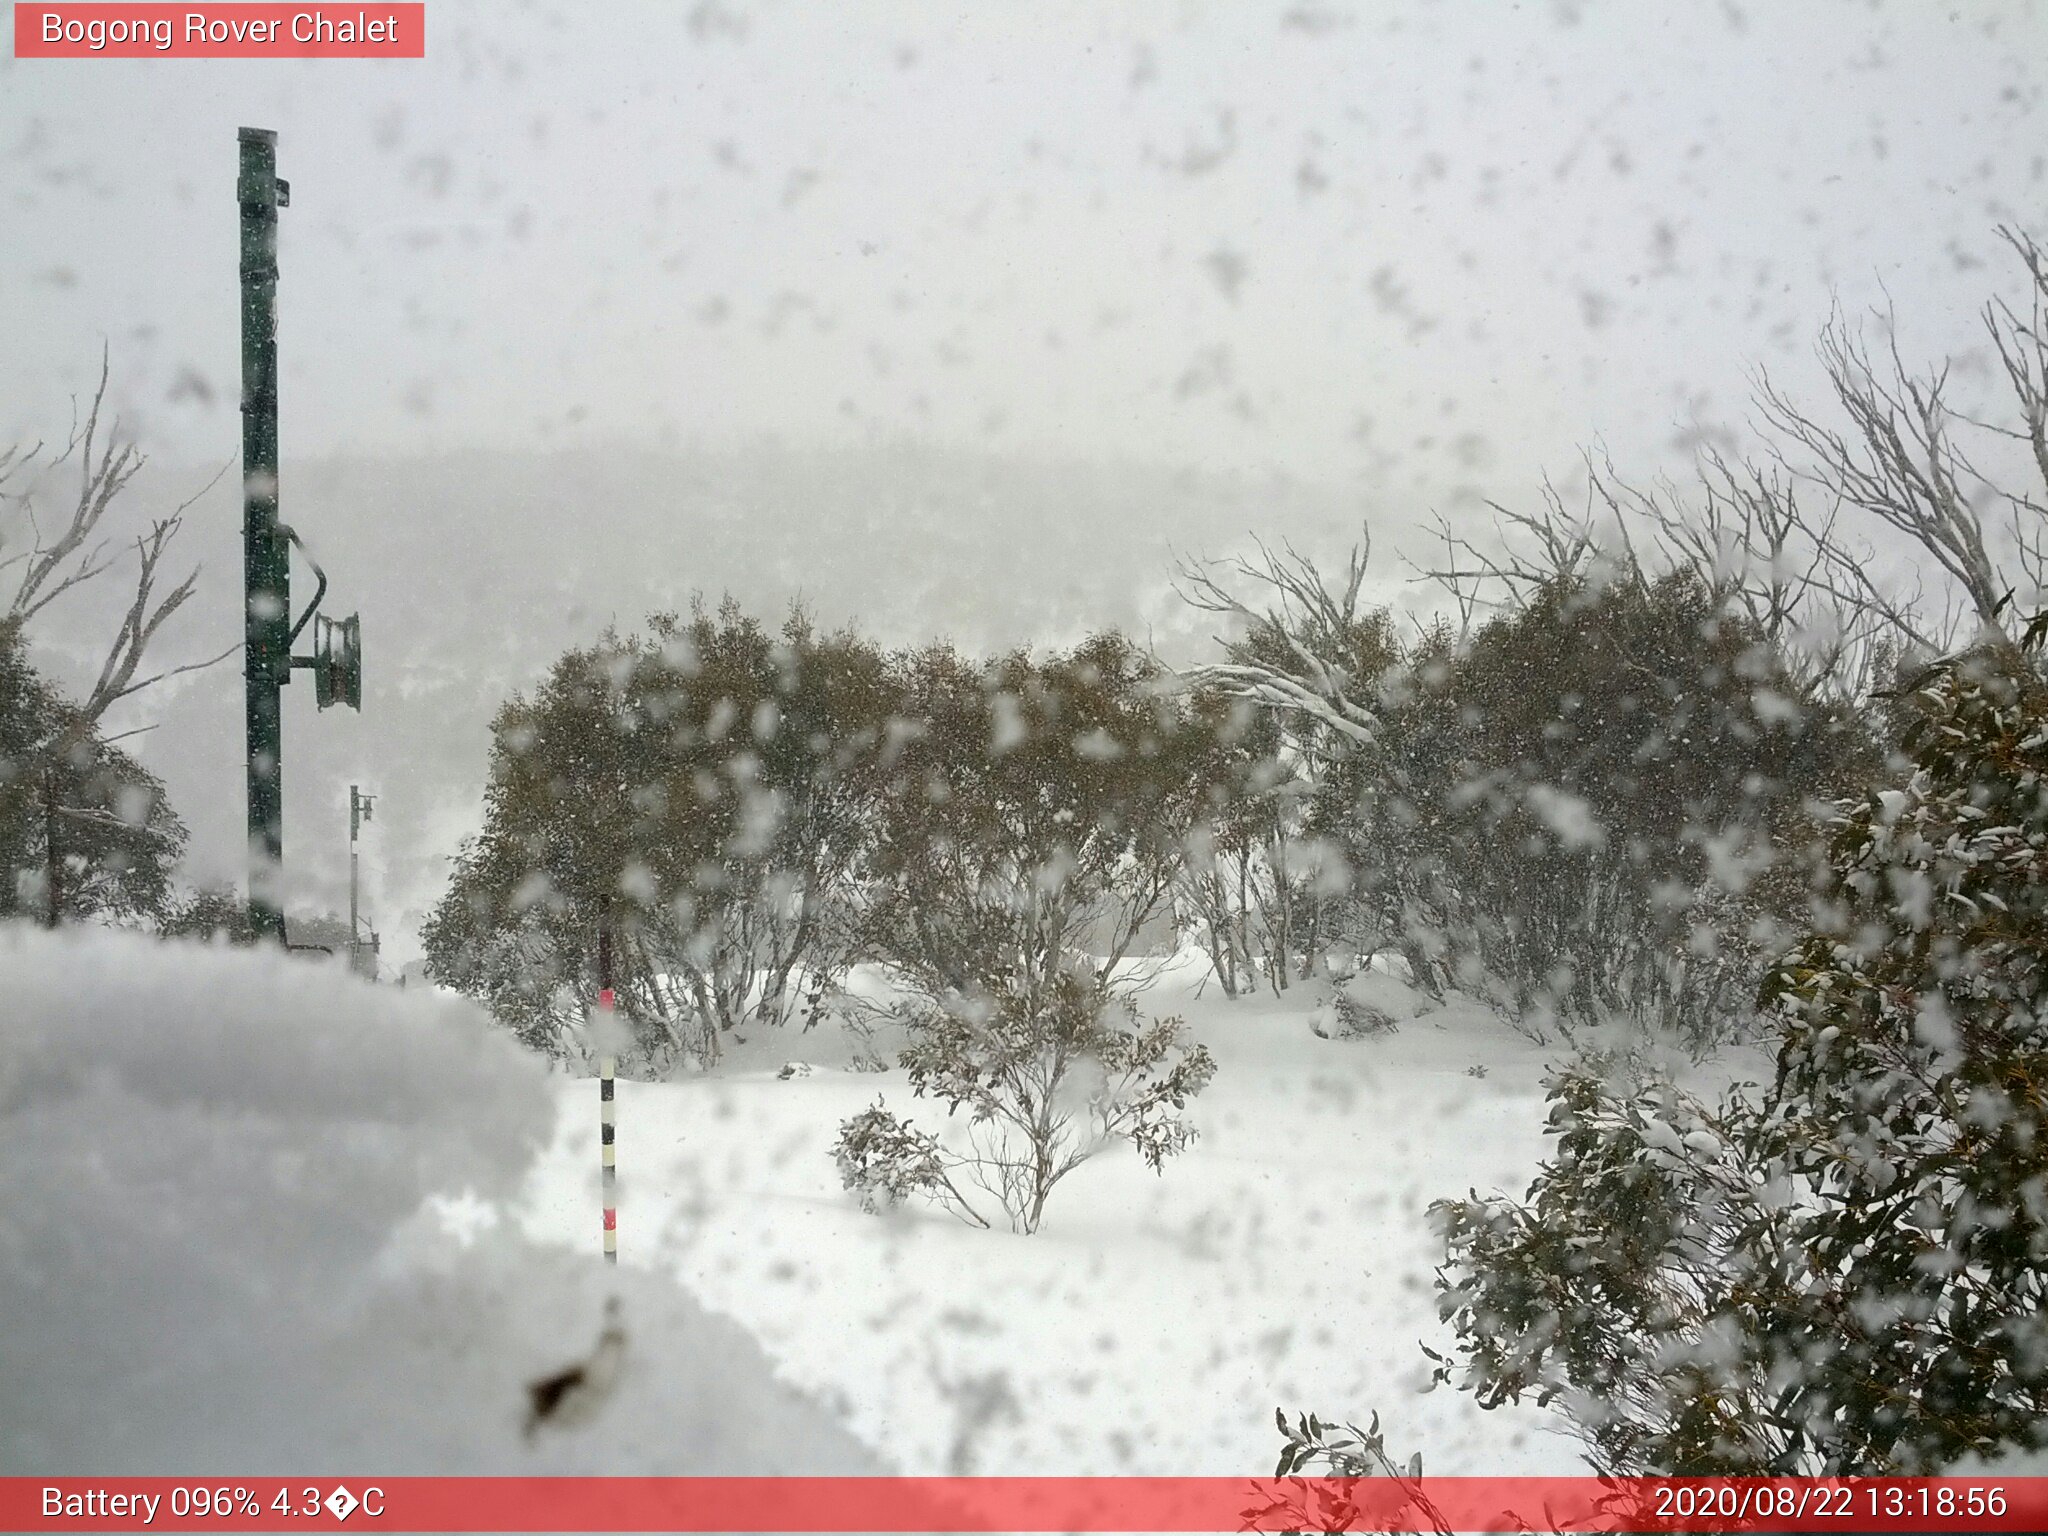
<point>221,1248</point>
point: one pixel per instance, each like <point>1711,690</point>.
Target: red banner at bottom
<point>1022,1504</point>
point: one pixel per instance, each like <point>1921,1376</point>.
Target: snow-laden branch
<point>1299,652</point>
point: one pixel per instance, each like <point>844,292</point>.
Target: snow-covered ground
<point>221,1252</point>
<point>1155,1322</point>
<point>259,1214</point>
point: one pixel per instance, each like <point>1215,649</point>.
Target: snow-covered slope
<point>244,1226</point>
<point>1154,1323</point>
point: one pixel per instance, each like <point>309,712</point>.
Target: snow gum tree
<point>56,552</point>
<point>1599,807</point>
<point>1592,806</point>
<point>706,791</point>
<point>1045,1083</point>
<point>1266,885</point>
<point>1847,1274</point>
<point>1248,891</point>
<point>66,787</point>
<point>1033,819</point>
<point>1029,835</point>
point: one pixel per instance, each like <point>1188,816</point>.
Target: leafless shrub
<point>1047,1081</point>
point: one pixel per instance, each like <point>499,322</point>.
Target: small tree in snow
<point>1848,1277</point>
<point>705,790</point>
<point>1593,806</point>
<point>1046,1081</point>
<point>1032,820</point>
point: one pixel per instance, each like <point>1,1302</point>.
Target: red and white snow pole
<point>608,1147</point>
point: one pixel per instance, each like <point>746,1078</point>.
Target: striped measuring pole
<point>608,1151</point>
<point>607,1129</point>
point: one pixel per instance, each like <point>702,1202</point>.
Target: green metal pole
<point>265,572</point>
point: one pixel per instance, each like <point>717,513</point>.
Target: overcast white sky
<point>1431,246</point>
<point>1358,262</point>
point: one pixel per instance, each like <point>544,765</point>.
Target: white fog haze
<point>586,312</point>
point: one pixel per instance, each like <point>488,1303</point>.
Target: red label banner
<point>1024,1504</point>
<point>217,31</point>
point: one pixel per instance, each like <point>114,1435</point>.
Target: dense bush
<point>1032,820</point>
<point>213,914</point>
<point>1594,808</point>
<point>1598,807</point>
<point>1846,1276</point>
<point>705,791</point>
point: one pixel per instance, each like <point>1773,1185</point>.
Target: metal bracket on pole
<point>319,592</point>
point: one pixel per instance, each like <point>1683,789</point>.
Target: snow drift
<point>230,1241</point>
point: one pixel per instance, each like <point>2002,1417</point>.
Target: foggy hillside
<point>473,571</point>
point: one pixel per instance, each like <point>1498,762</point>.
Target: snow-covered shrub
<point>214,914</point>
<point>1046,1081</point>
<point>1354,1018</point>
<point>885,1161</point>
<point>1357,1008</point>
<point>1033,818</point>
<point>1851,1274</point>
<point>705,792</point>
<point>1596,808</point>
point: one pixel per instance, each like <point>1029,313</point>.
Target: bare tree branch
<point>1899,462</point>
<point>1312,620</point>
<point>45,568</point>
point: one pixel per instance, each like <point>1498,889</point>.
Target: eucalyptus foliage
<point>1845,1274</point>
